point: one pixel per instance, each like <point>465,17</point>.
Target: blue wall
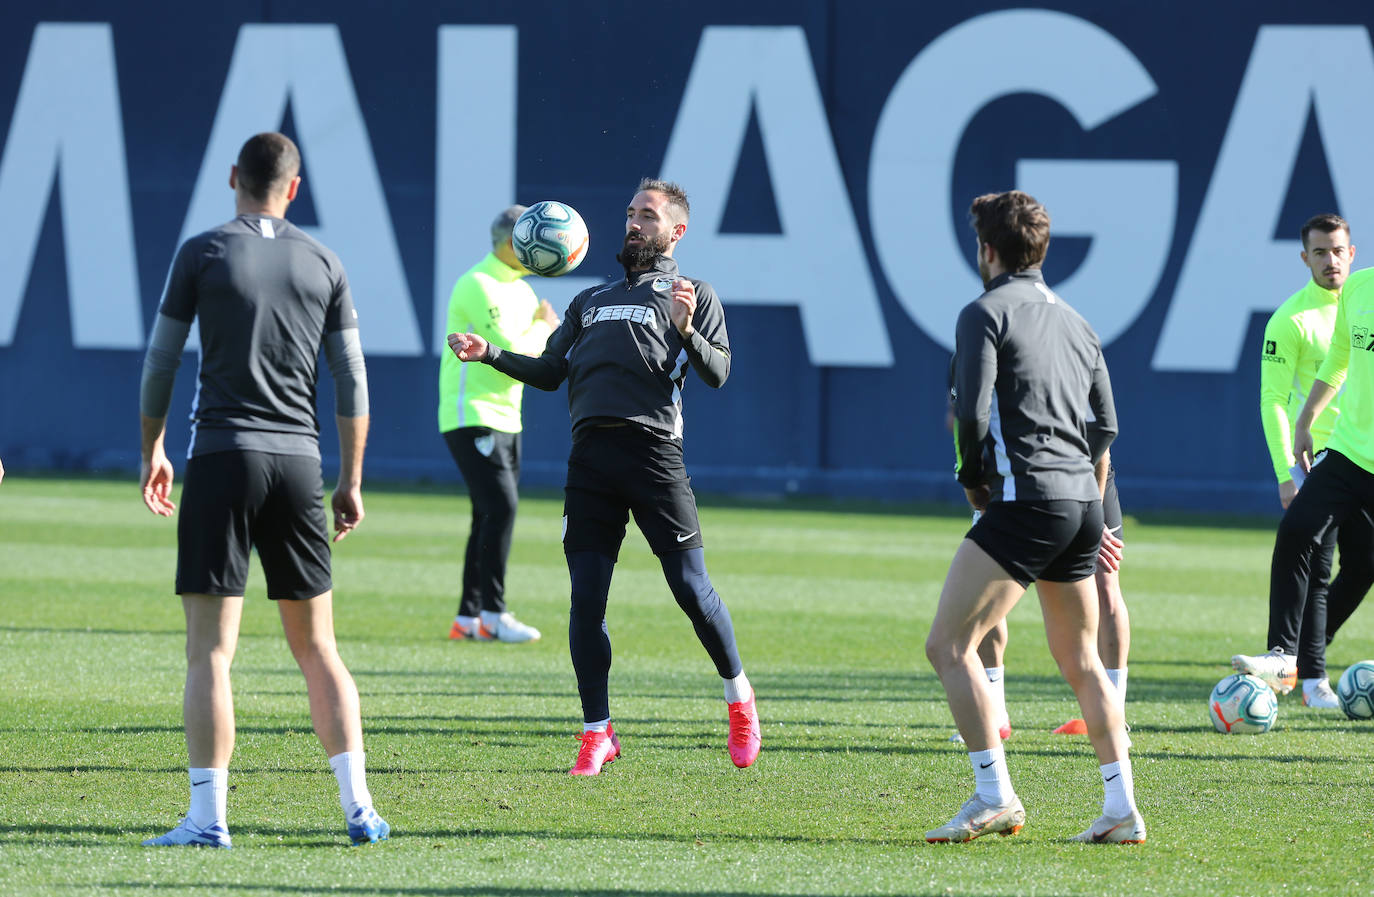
<point>830,154</point>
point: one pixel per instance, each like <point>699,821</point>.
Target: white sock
<point>209,794</point>
<point>738,689</point>
<point>1310,685</point>
<point>1119,787</point>
<point>598,726</point>
<point>490,618</point>
<point>992,781</point>
<point>997,679</point>
<point>1118,678</point>
<point>465,622</point>
<point>351,773</point>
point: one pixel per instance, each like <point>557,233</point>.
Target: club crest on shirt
<point>663,284</point>
<point>1359,338</point>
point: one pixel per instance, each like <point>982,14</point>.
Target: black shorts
<point>1111,505</point>
<point>1055,541</point>
<point>614,472</point>
<point>274,503</point>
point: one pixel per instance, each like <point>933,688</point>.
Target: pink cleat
<point>598,748</point>
<point>744,738</point>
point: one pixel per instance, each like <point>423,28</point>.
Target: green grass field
<point>468,744</point>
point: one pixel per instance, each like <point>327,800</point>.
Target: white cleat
<point>1319,694</point>
<point>1278,669</point>
<point>977,817</point>
<point>188,834</point>
<point>508,629</point>
<point>1128,829</point>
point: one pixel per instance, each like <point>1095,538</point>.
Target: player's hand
<point>978,498</point>
<point>684,305</point>
<point>155,480</point>
<point>1110,551</point>
<point>546,313</point>
<point>1287,492</point>
<point>467,346</point>
<point>347,502</point>
<point>1303,448</point>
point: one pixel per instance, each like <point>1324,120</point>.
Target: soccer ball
<point>550,238</point>
<point>1242,703</point>
<point>1355,690</point>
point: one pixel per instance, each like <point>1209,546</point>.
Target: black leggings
<point>1337,496</point>
<point>590,643</point>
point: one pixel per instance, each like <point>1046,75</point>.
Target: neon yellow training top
<point>1350,361</point>
<point>493,301</point>
<point>1296,341</point>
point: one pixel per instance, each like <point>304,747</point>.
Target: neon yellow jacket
<point>1296,341</point>
<point>493,301</point>
<point>1351,362</point>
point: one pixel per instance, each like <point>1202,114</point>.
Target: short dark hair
<point>1014,224</point>
<point>1327,223</point>
<point>267,163</point>
<point>504,223</point>
<point>676,196</point>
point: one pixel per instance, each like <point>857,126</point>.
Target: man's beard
<point>640,256</point>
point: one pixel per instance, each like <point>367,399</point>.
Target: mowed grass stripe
<point>468,744</point>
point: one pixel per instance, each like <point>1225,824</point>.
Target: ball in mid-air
<point>550,238</point>
<point>1242,703</point>
<point>1355,690</point>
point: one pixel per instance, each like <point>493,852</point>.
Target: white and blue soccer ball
<point>1242,703</point>
<point>1355,690</point>
<point>550,238</point>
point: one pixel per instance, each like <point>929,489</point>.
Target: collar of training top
<point>663,264</point>
<point>1031,274</point>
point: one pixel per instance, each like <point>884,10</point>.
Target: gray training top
<point>267,295</point>
<point>623,357</point>
<point>1028,380</point>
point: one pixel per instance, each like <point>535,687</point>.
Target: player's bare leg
<point>212,634</point>
<point>976,597</point>
<point>994,645</point>
<point>334,708</point>
<point>1114,622</point>
<point>1070,612</point>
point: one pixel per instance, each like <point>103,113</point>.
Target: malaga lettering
<point>67,133</point>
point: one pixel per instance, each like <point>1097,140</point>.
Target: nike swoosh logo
<point>685,537</point>
<point>198,784</point>
<point>1109,778</point>
<point>1100,837</point>
<point>985,765</point>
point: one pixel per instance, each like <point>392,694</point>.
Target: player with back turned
<point>1028,377</point>
<point>267,297</point>
<point>624,349</point>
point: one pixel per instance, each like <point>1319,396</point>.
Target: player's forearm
<point>546,372</point>
<point>352,441</point>
<point>153,431</point>
<point>1318,397</point>
<point>1278,437</point>
<point>968,448</point>
<point>1100,472</point>
<point>711,362</point>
